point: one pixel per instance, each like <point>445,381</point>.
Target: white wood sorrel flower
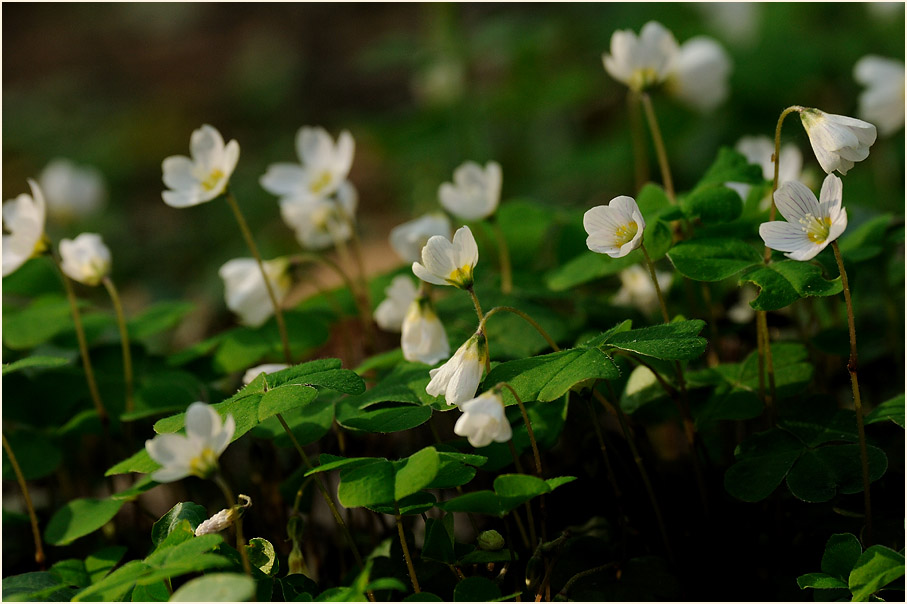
<point>459,377</point>
<point>474,193</point>
<point>637,289</point>
<point>837,140</point>
<point>205,175</point>
<point>811,224</point>
<point>423,339</point>
<point>615,229</point>
<point>449,262</point>
<point>245,291</point>
<point>23,228</point>
<point>759,150</point>
<point>324,166</point>
<point>72,191</point>
<point>882,103</point>
<point>319,223</point>
<point>196,452</point>
<point>400,295</point>
<point>266,368</point>
<point>483,420</point>
<point>699,75</point>
<point>85,259</point>
<point>409,238</point>
<point>642,62</point>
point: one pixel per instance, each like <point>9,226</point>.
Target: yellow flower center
<point>461,277</point>
<point>202,465</point>
<point>816,229</point>
<point>213,179</point>
<point>643,78</point>
<point>40,247</point>
<point>626,233</point>
<point>317,185</point>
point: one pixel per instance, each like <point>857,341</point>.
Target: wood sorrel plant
<point>471,472</point>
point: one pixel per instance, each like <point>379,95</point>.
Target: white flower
<point>409,238</point>
<point>641,62</point>
<point>23,228</point>
<point>811,224</point>
<point>837,140</point>
<point>85,259</point>
<point>615,229</point>
<point>400,295</point>
<point>203,177</point>
<point>245,291</point>
<point>224,519</point>
<point>458,378</point>
<point>324,167</point>
<point>72,191</point>
<point>475,192</point>
<point>742,312</point>
<point>882,103</point>
<point>758,150</point>
<point>484,421</point>
<point>449,262</point>
<point>266,368</point>
<point>423,339</point>
<point>699,75</point>
<point>638,290</point>
<point>319,223</point>
<point>195,453</point>
<point>737,23</point>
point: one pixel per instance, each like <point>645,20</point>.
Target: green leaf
<point>98,564</point>
<point>386,583</point>
<point>37,323</point>
<point>763,461</point>
<point>115,585</point>
<point>476,589</point>
<point>783,283</point>
<point>36,362</point>
<point>819,581</point>
<point>192,512</point>
<point>78,518</point>
<point>308,423</point>
<point>510,491</point>
<point>876,567</point>
<point>388,419</point>
<point>140,461</point>
<point>262,555</point>
<point>219,587</point>
<point>672,341</point>
<point>713,259</point>
<point>418,471</point>
<point>451,474</point>
<point>412,505</point>
<point>439,540</point>
<point>37,455</point>
<point>153,592</point>
<point>731,166</point>
<point>864,242</point>
<point>713,203</point>
<point>423,597</point>
<point>892,409</point>
<point>810,479</point>
<point>160,317</point>
<point>328,462</point>
<point>283,399</point>
<point>371,484</point>
<point>841,554</point>
<point>35,587</point>
<point>70,572</point>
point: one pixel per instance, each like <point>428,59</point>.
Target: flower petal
<point>794,200</point>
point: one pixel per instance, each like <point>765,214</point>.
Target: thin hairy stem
<point>769,396</point>
<point>660,152</point>
<point>409,561</point>
<point>231,503</point>
<point>776,160</point>
<point>601,445</point>
<point>661,299</point>
<point>855,386</point>
<point>504,254</point>
<point>533,536</point>
<point>524,316</point>
<point>478,307</point>
<point>124,341</point>
<point>532,441</point>
<point>250,242</point>
<point>33,518</point>
<point>359,293</point>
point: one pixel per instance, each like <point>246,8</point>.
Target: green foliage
<point>219,587</point>
<point>510,491</point>
<point>845,566</point>
<point>192,512</point>
<point>476,589</point>
<point>712,203</point>
<point>262,556</point>
<point>783,283</point>
<point>713,259</point>
<point>34,362</point>
<point>892,409</point>
<point>78,518</point>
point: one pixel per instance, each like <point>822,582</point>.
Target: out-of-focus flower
<point>882,103</point>
<point>837,140</point>
<point>735,22</point>
<point>85,259</point>
<point>638,290</point>
<point>266,368</point>
<point>400,295</point>
<point>474,193</point>
<point>325,166</point>
<point>811,224</point>
<point>205,175</point>
<point>699,74</point>
<point>320,223</point>
<point>245,291</point>
<point>23,228</point>
<point>758,150</point>
<point>449,262</point>
<point>483,420</point>
<point>742,312</point>
<point>642,62</point>
<point>615,229</point>
<point>423,339</point>
<point>72,191</point>
<point>196,453</point>
<point>458,378</point>
<point>409,238</point>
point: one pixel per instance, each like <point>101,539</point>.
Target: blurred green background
<point>422,87</point>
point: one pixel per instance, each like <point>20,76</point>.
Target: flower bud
<point>490,541</point>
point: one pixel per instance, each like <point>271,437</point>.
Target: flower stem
<point>660,152</point>
<point>855,386</point>
<point>357,255</point>
<point>776,161</point>
<point>475,302</point>
<point>250,242</point>
<point>640,161</point>
<point>360,292</point>
<point>769,397</point>
<point>409,561</point>
<point>504,252</point>
<point>535,447</point>
<point>661,298</point>
<point>124,341</point>
<point>604,449</point>
<point>20,478</point>
<point>527,318</point>
<point>231,503</point>
<point>83,344</point>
